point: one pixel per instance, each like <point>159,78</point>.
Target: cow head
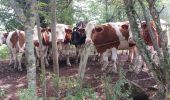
<point>88,30</point>
<point>63,34</point>
<point>68,35</point>
<point>145,33</point>
<point>124,28</point>
<point>3,38</point>
<point>21,38</point>
<point>46,36</point>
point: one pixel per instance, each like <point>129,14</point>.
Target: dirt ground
<point>11,81</point>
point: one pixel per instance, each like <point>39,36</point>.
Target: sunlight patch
<point>6,86</point>
<point>20,85</point>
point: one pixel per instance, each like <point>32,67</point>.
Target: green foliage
<point>44,12</point>
<point>108,87</point>
<point>120,91</point>
<point>8,18</point>
<point>27,94</point>
<point>83,94</point>
<point>122,88</point>
<point>2,93</point>
<point>74,91</point>
<point>4,51</point>
<point>65,12</point>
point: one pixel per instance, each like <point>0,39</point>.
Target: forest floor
<point>12,81</point>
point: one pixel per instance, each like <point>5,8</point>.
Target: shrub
<point>4,52</point>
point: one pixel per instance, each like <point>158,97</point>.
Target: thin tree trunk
<point>106,11</point>
<point>164,42</point>
<point>158,74</point>
<point>54,45</point>
<point>28,17</point>
<point>53,31</point>
<point>42,60</point>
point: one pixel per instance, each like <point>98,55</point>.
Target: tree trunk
<point>54,45</point>
<point>159,75</point>
<point>106,11</point>
<point>53,31</point>
<point>164,42</point>
<point>42,59</point>
<point>27,16</point>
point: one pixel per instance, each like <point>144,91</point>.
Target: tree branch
<point>19,12</point>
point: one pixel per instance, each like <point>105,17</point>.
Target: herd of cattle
<point>106,38</point>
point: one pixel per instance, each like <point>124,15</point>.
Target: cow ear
<point>99,29</point>
<point>5,35</point>
<point>43,30</point>
<point>125,26</point>
<point>49,29</point>
<point>82,30</point>
<point>68,30</point>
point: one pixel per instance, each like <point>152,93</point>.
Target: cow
<point>78,38</point>
<point>63,39</point>
<point>109,36</point>
<point>16,44</point>
<point>46,44</point>
<point>3,38</point>
<point>144,32</point>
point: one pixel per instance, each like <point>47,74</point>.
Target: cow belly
<point>124,45</point>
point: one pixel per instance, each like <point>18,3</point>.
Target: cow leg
<point>11,57</point>
<point>19,61</point>
<point>45,56</point>
<point>14,53</point>
<point>37,56</point>
<point>67,55</point>
<point>77,54</point>
<point>94,58</point>
<point>105,60</point>
<point>113,60</point>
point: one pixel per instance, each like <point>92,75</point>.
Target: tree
<point>160,71</point>
<point>54,45</point>
<point>42,59</point>
<point>26,13</point>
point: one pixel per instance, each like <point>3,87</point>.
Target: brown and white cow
<point>63,39</point>
<point>3,38</point>
<point>16,44</point>
<point>109,36</point>
<point>144,31</point>
<point>46,43</point>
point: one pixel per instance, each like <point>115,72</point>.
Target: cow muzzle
<point>88,41</point>
<point>59,45</point>
<point>60,40</point>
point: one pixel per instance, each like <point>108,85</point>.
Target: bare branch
<point>161,10</point>
<point>19,12</point>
